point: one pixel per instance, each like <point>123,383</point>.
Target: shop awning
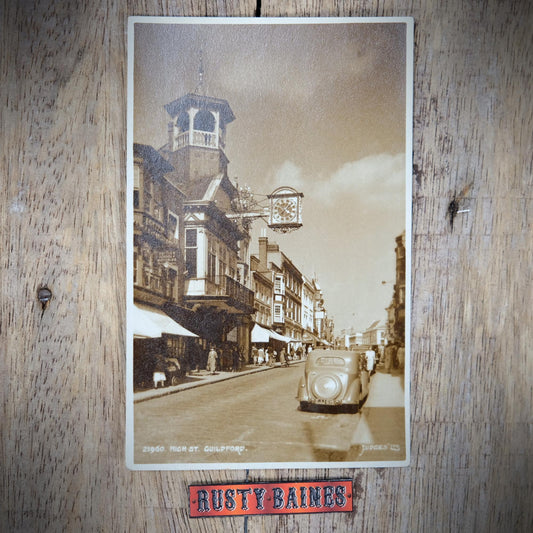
<point>260,334</point>
<point>280,337</point>
<point>150,322</point>
<point>309,337</point>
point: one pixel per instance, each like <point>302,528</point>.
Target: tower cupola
<point>197,134</point>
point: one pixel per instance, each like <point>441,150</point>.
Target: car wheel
<point>174,380</point>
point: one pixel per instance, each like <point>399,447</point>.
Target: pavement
<point>386,389</point>
<point>203,377</point>
<point>380,432</point>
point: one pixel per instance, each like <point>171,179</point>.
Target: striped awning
<point>151,322</point>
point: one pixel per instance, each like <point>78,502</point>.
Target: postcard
<point>269,242</point>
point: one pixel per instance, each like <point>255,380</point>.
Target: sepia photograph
<point>269,242</point>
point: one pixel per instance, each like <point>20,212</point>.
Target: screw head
<point>44,294</point>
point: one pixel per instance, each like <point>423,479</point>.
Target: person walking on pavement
<point>370,359</point>
<point>283,358</point>
<point>390,356</point>
<point>236,359</point>
<point>401,356</point>
<point>255,354</point>
<point>260,356</point>
<point>212,360</point>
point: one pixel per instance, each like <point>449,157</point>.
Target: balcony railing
<point>204,138</point>
<point>182,140</point>
<point>146,223</point>
<point>221,286</point>
<point>239,292</point>
<point>155,283</point>
<point>199,138</point>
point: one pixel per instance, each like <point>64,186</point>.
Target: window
<point>211,266</point>
<point>137,174</point>
<point>221,270</point>
<point>278,313</point>
<point>135,266</point>
<point>191,252</point>
<point>169,283</point>
<point>279,285</point>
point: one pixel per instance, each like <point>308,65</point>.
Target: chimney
<point>263,256</point>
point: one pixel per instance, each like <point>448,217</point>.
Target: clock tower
<point>197,136</point>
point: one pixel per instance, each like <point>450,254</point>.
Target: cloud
<point>373,178</point>
<point>289,174</point>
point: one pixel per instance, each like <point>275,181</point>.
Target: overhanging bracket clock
<point>285,211</point>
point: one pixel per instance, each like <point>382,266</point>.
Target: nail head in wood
<point>45,295</point>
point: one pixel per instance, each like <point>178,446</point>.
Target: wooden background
<point>63,215</point>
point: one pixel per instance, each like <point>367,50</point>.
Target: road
<point>254,419</point>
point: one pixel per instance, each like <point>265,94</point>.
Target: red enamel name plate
<point>270,498</point>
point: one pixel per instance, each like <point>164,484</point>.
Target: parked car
<point>334,379</point>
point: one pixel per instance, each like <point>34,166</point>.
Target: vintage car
<point>335,379</point>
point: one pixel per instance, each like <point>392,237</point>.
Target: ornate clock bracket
<point>285,211</point>
<point>283,214</point>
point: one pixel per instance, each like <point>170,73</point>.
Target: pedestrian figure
<point>282,358</point>
<point>370,359</point>
<point>236,359</point>
<point>260,356</point>
<point>267,356</point>
<point>255,354</point>
<point>212,360</point>
<point>401,356</point>
<point>159,375</point>
<point>380,355</point>
<point>390,355</point>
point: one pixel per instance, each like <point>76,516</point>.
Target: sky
<point>319,107</point>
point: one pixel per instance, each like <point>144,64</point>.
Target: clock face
<point>284,210</point>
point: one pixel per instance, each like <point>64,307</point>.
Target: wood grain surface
<point>63,221</point>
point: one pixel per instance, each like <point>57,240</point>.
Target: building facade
<point>309,296</point>
<point>263,286</point>
<point>375,333</point>
<point>158,262</point>
<point>396,309</point>
<point>215,244</point>
<point>287,290</point>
